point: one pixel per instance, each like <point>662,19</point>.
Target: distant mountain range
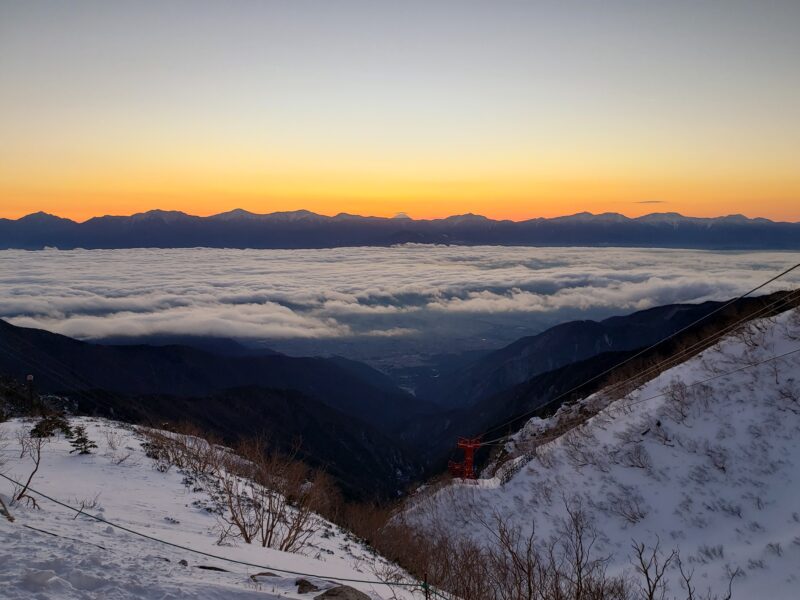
<point>304,229</point>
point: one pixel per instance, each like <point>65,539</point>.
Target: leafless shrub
<point>621,384</point>
<point>271,499</point>
<point>546,457</point>
<point>729,508</point>
<point>186,448</point>
<point>636,457</point>
<point>5,512</point>
<point>789,399</point>
<point>754,564</point>
<point>3,449</point>
<point>516,566</point>
<point>119,459</point>
<point>700,474</point>
<point>793,325</point>
<point>87,504</point>
<point>775,548</point>
<point>756,499</point>
<point>661,434</point>
<point>626,503</point>
<point>580,448</point>
<point>263,496</point>
<point>113,439</point>
<point>751,334</point>
<point>159,447</point>
<point>391,576</point>
<point>545,492</point>
<point>718,455</point>
<point>710,553</point>
<point>677,405</point>
<point>632,434</point>
<point>687,443</point>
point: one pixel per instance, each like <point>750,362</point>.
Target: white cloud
<point>412,291</point>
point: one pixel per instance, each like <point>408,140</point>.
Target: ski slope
<point>52,553</point>
<point>712,470</point>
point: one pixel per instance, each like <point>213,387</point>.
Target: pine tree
<point>50,424</point>
<point>81,443</point>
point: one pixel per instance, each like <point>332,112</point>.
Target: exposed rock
<point>210,568</point>
<point>342,592</point>
<point>304,586</point>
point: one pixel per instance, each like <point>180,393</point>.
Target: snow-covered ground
<point>52,553</point>
<point>712,470</point>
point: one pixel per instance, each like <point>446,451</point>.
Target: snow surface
<point>79,557</point>
<point>714,472</point>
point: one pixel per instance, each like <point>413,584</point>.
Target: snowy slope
<point>712,470</point>
<point>82,558</point>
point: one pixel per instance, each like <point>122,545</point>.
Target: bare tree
<point>652,566</point>
<point>521,567</point>
<point>584,571</point>
<point>243,512</point>
<point>691,592</point>
<point>30,447</point>
<point>4,511</point>
<point>3,447</point>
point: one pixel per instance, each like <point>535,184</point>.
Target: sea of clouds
<point>429,298</point>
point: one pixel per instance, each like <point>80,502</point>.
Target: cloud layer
<point>417,298</point>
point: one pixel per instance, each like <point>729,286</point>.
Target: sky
<point>507,109</point>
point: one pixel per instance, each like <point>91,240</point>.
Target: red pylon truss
<point>465,469</point>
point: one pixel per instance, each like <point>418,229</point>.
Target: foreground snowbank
<point>52,553</point>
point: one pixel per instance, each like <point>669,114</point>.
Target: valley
<point>690,418</point>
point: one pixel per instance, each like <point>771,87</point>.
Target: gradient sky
<point>508,109</point>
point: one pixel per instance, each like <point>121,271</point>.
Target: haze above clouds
<point>360,301</point>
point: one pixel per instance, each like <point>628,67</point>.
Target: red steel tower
<point>466,469</point>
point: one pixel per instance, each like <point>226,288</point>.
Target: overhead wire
<point>62,377</point>
<point>634,356</point>
<point>546,439</point>
<point>678,357</point>
<point>208,554</point>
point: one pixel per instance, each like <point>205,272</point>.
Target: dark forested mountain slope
<point>562,345</point>
<point>366,463</point>
<point>498,411</point>
<point>62,365</point>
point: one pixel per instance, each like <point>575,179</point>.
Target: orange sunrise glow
<point>119,112</point>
